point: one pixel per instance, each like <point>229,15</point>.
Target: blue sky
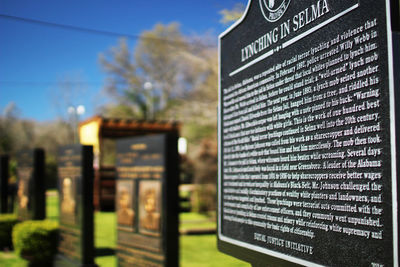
<point>34,58</point>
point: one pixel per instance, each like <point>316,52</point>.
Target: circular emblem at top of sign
<point>273,10</point>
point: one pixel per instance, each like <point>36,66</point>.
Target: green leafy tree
<point>17,134</point>
<point>147,79</point>
<point>122,82</point>
<point>159,59</point>
<point>152,80</point>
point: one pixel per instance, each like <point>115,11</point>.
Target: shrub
<point>36,241</point>
<point>7,222</point>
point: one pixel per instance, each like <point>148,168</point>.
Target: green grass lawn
<point>201,251</point>
<point>10,259</point>
<point>195,250</point>
<point>105,238</point>
<point>190,220</point>
<point>52,205</point>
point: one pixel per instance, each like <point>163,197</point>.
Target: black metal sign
<point>307,155</point>
<point>147,201</point>
<point>75,183</point>
<point>31,199</point>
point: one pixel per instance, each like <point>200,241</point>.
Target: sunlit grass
<point>105,238</point>
<point>201,251</point>
<point>193,216</point>
<point>52,205</point>
<point>10,259</point>
<point>191,220</point>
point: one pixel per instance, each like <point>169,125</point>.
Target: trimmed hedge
<point>7,222</point>
<point>36,241</point>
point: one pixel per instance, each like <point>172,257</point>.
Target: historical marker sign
<point>76,174</point>
<point>31,188</point>
<point>147,201</point>
<point>307,134</point>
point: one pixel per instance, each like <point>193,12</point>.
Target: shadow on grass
<point>102,251</point>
